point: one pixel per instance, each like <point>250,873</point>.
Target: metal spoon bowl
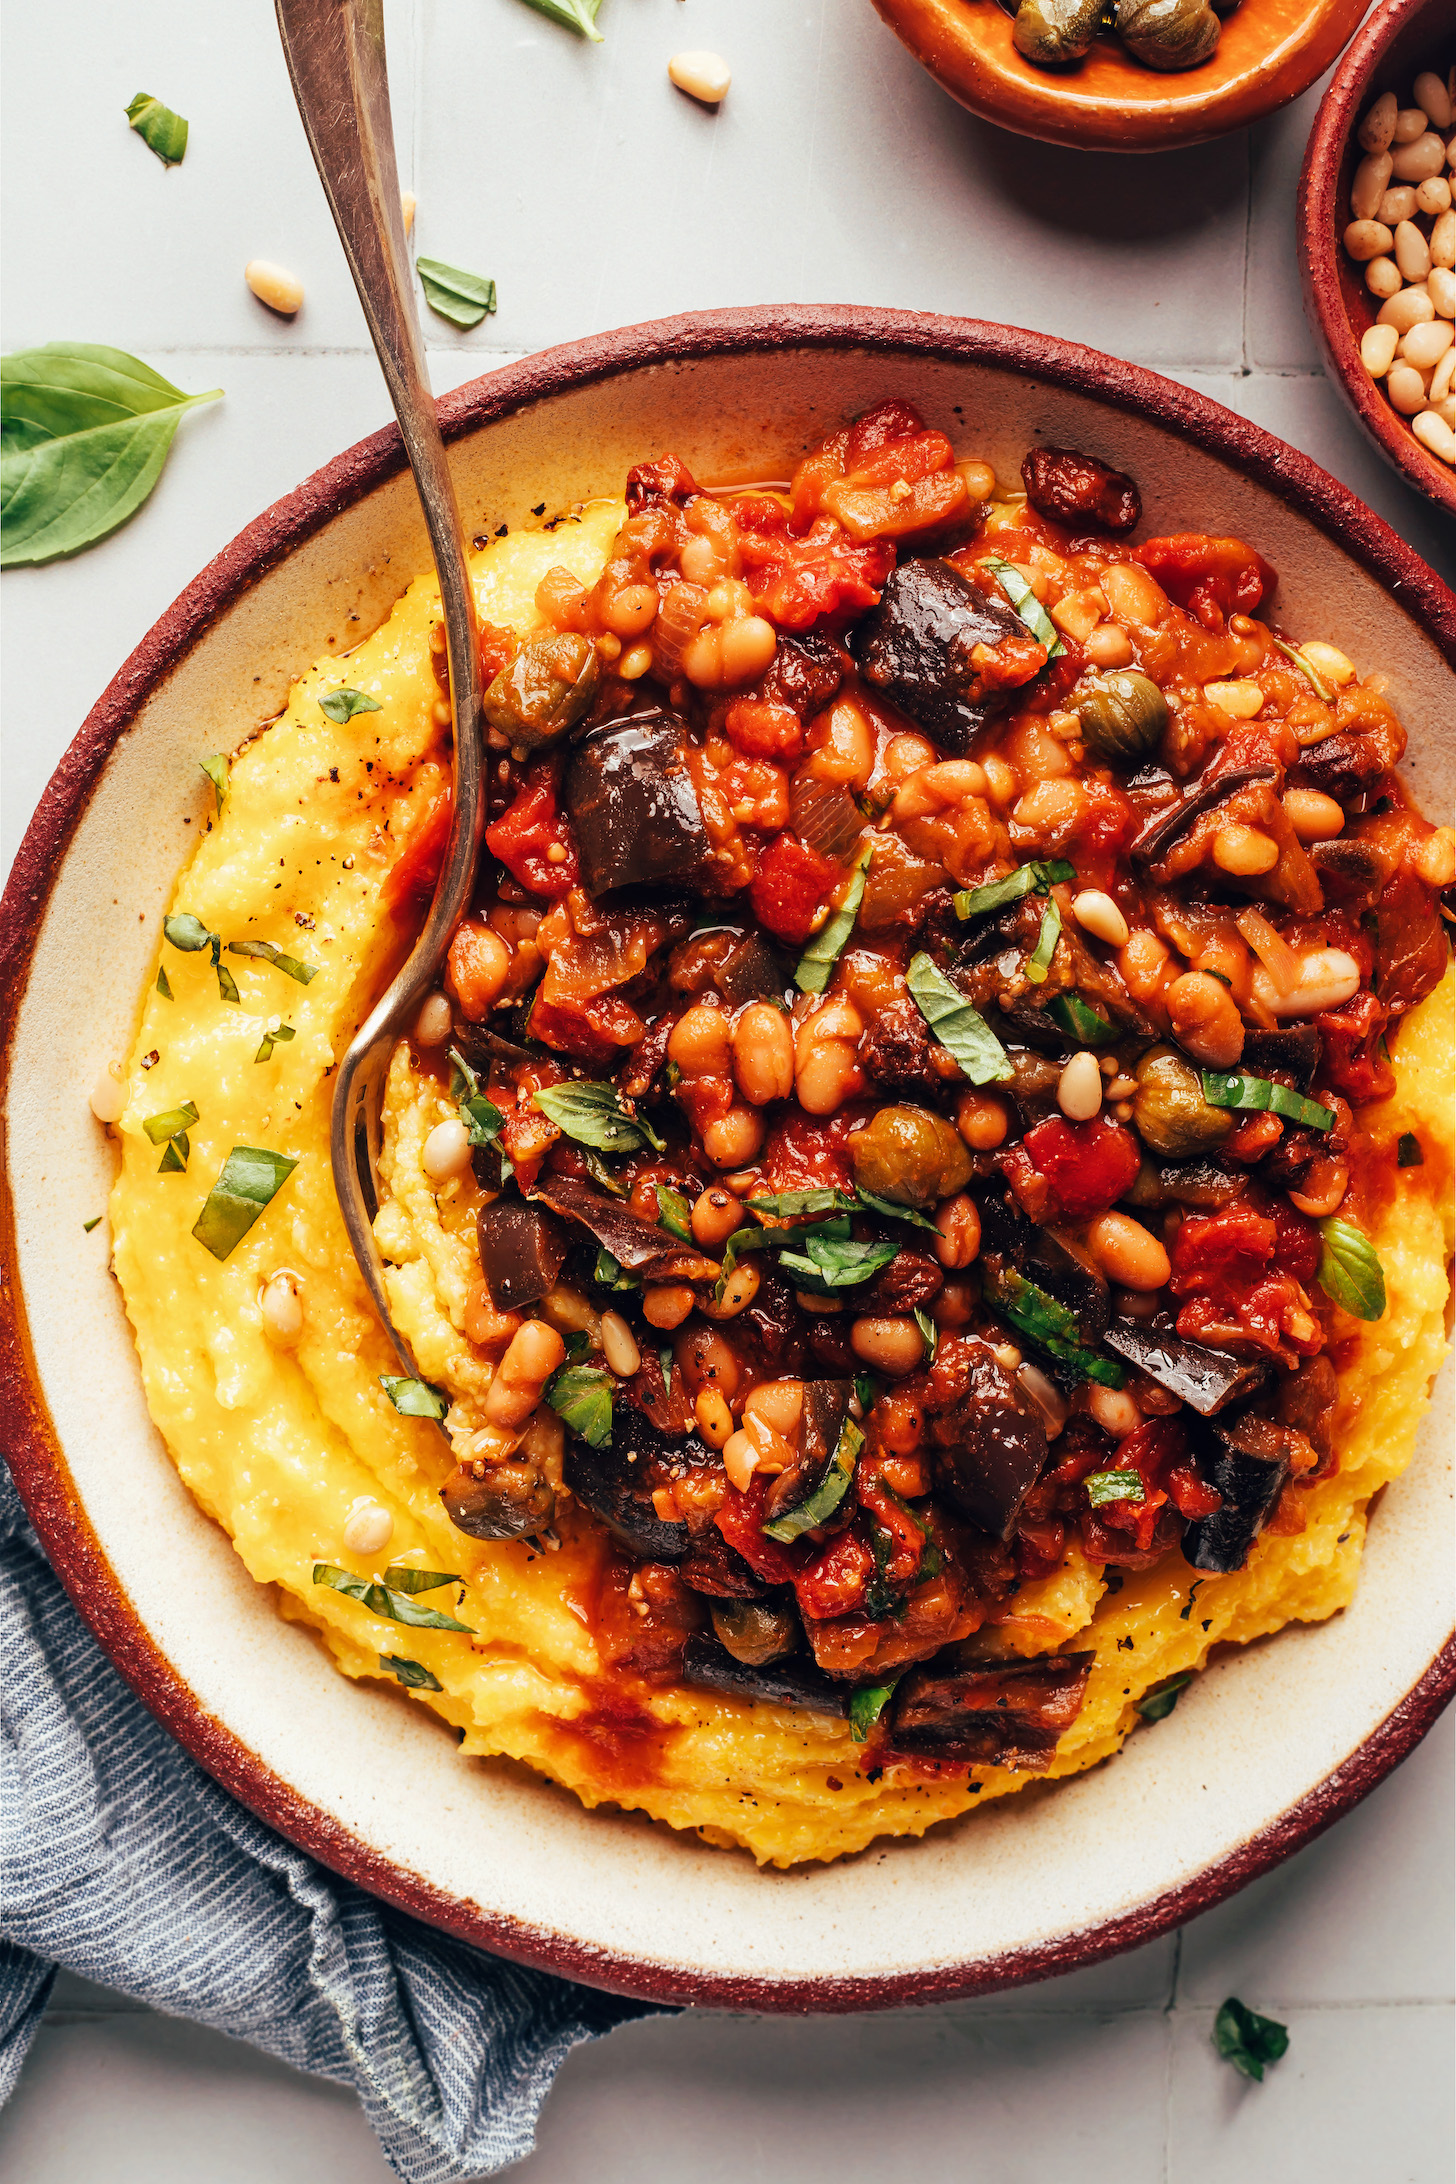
<point>335,55</point>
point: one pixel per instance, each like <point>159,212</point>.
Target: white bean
<point>1097,913</point>
<point>274,285</point>
<point>447,1151</point>
<point>1372,179</point>
<point>1079,1091</point>
<point>368,1528</point>
<point>1378,345</point>
<point>109,1096</point>
<point>1412,253</point>
<point>1327,978</point>
<point>433,1024</point>
<point>704,76</point>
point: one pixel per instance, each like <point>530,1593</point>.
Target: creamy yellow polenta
<point>280,1445</point>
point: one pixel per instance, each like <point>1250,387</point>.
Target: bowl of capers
<point>1124,75</point>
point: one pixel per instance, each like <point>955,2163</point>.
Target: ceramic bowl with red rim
<point>1268,52</point>
<point>1271,1744</point>
<point>1399,40</point>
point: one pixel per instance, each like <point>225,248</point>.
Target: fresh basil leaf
<point>411,1674</point>
<point>827,1265</point>
<point>162,131</point>
<point>1247,2040</point>
<point>1039,962</point>
<point>1086,1026</point>
<point>578,15</point>
<point>1231,1088</point>
<point>251,1177</point>
<point>867,1391</point>
<point>793,1205</point>
<point>227,985</point>
<point>959,1027</point>
<point>164,984</point>
<point>826,1497</point>
<point>281,1032</point>
<point>84,432</point>
<point>928,1329</point>
<point>674,1214</point>
<point>171,1124</point>
<point>1028,607</point>
<point>381,1600</point>
<point>600,1173</point>
<point>1036,878</point>
<point>665,1360</point>
<point>342,704</point>
<point>1349,1271</point>
<point>578,1344</point>
<point>866,1706</point>
<point>892,1212</point>
<point>400,1577</point>
<point>174,1160</point>
<point>188,933</point>
<point>1321,687</point>
<point>608,1273</point>
<point>481,1117</point>
<point>413,1398</point>
<point>1044,1320</point>
<point>219,774</point>
<point>1159,1704</point>
<point>1408,1152</point>
<point>593,1114</point>
<point>94,1222</point>
<point>827,946</point>
<point>1110,1486</point>
<point>463,298</point>
<point>265,951</point>
<point>581,1396</point>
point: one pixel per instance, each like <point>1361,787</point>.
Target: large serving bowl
<point>1269,52</point>
<point>1400,38</point>
<point>1269,1746</point>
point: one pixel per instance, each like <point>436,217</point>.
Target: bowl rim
<point>1319,230</point>
<point>1150,110</point>
<point>36,1458</point>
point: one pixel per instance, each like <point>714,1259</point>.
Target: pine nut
<point>447,1151</point>
<point>1433,98</point>
<point>1412,307</point>
<point>1378,345</point>
<point>274,285</point>
<point>703,76</point>
<point>1425,345</point>
<point>1441,288</point>
<point>1433,196</point>
<point>1406,389</point>
<point>1414,162</point>
<point>367,1529</point>
<point>1242,699</point>
<point>1382,277</point>
<point>1378,127</point>
<point>619,1346</point>
<point>1099,915</point>
<point>1079,1091</point>
<point>433,1025</point>
<point>1410,123</point>
<point>1366,239</point>
<point>1314,816</point>
<point>1329,662</point>
<point>1411,252</point>
<point>282,1310</point>
<point>1244,851</point>
<point>1371,180</point>
<point>109,1095</point>
<point>1397,205</point>
<point>1435,434</point>
<point>408,204</point>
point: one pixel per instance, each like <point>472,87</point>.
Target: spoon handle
<point>335,55</point>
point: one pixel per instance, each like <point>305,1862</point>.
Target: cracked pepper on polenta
<point>920,1210</point>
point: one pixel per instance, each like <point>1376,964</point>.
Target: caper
<point>1052,32</point>
<point>1123,715</point>
<point>754,1631</point>
<point>1167,34</point>
<point>1169,1109</point>
<point>545,690</point>
<point>909,1155</point>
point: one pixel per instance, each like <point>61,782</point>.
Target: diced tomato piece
<point>1191,1495</point>
<point>1355,1061</point>
<point>590,1031</point>
<point>652,484</point>
<point>760,730</point>
<point>1257,1317</point>
<point>1296,1242</point>
<point>796,580</point>
<point>1233,1246</point>
<point>805,1152</point>
<point>740,1520</point>
<point>524,836</point>
<point>791,882</point>
<point>836,1578</point>
<point>1087,1164</point>
<point>907,1537</point>
<point>498,647</point>
<point>413,874</point>
<point>889,420</point>
<point>1211,577</point>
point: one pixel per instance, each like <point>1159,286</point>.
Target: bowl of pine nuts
<point>1377,230</point>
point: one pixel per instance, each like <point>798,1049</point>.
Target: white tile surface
<point>596,195</point>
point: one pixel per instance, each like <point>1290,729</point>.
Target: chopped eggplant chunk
<point>522,1250</point>
<point>644,1249</point>
<point>991,1446</point>
<point>506,1501</point>
<point>616,1483</point>
<point>995,1714</point>
<point>1306,1401</point>
<point>633,805</point>
<point>1247,1462</point>
<point>1204,1379</point>
<point>918,647</point>
<point>1166,828</point>
<point>794,1683</point>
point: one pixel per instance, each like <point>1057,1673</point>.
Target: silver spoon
<point>335,55</point>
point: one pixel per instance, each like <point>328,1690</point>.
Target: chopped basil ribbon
<point>463,298</point>
<point>665,1360</point>
<point>581,1396</point>
<point>94,1222</point>
<point>481,1117</point>
<point>188,933</point>
<point>1037,878</point>
<point>162,131</point>
<point>1087,1026</point>
<point>251,1177</point>
<point>290,966</point>
<point>608,1273</point>
<point>578,15</point>
<point>866,1391</point>
<point>674,1213</point>
<point>1230,1088</point>
<point>1040,961</point>
<point>164,984</point>
<point>828,1264</point>
<point>1247,2040</point>
<point>826,1497</point>
<point>927,1328</point>
<point>342,705</point>
<point>384,1600</point>
<point>218,773</point>
<point>1349,1271</point>
<point>1159,1704</point>
<point>413,1398</point>
<point>593,1114</point>
<point>400,1577</point>
<point>227,985</point>
<point>411,1674</point>
<point>282,1032</point>
<point>865,1708</point>
<point>578,1343</point>
<point>1047,1322</point>
<point>1408,1152</point>
<point>790,1205</point>
<point>1029,608</point>
<point>1321,687</point>
<point>960,1028</point>
<point>889,1210</point>
<point>170,1129</point>
<point>1110,1486</point>
<point>827,946</point>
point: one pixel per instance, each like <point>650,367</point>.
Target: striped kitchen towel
<point>123,1861</point>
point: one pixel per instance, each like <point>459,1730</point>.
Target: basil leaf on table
<point>463,298</point>
<point>84,432</point>
<point>1348,1271</point>
<point>1247,2040</point>
<point>959,1027</point>
<point>578,15</point>
<point>342,704</point>
<point>162,131</point>
<point>593,1114</point>
<point>413,1398</point>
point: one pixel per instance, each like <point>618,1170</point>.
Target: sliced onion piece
<point>1272,949</point>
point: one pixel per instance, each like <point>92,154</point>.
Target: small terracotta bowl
<point>1401,38</point>
<point>1270,51</point>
